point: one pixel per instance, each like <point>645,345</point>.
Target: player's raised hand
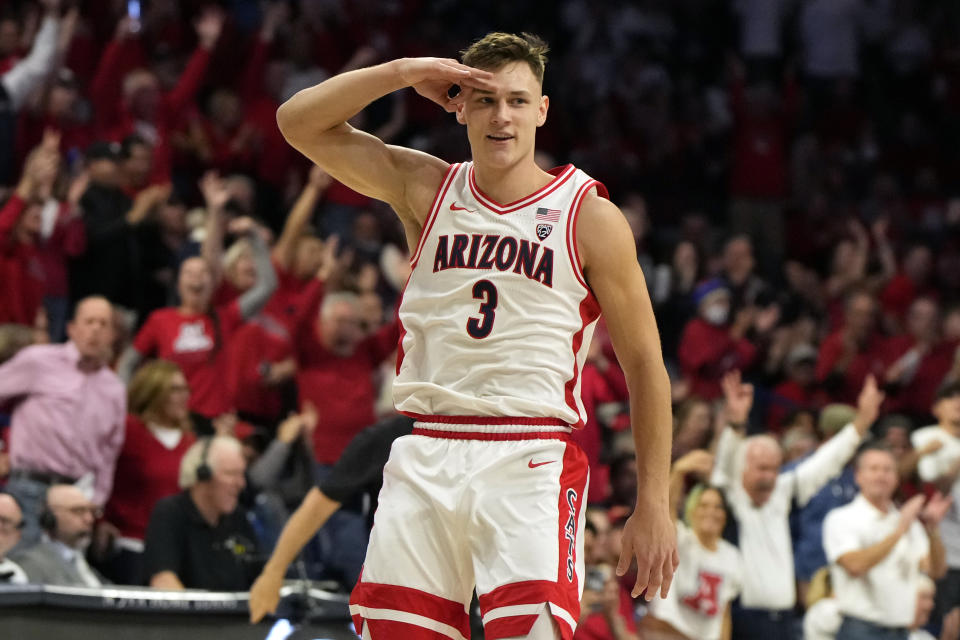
<point>433,78</point>
<point>650,536</point>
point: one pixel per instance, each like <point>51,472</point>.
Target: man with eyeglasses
<point>11,524</point>
<point>58,559</point>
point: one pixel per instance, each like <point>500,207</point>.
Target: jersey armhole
<point>572,216</point>
<point>434,210</point>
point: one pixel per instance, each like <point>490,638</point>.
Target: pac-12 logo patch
<point>543,230</point>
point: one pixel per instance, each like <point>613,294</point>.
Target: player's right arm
<point>314,121</point>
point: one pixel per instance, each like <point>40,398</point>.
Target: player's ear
<point>459,112</point>
<point>542,111</point>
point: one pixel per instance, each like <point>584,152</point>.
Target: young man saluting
<point>496,317</point>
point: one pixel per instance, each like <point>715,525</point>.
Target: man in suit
<point>58,558</point>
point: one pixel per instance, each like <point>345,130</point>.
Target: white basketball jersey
<point>496,318</point>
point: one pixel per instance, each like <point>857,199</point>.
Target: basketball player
<point>496,317</point>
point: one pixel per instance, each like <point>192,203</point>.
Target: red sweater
<point>595,389</point>
<point>342,389</point>
<point>868,360</point>
<point>114,120</point>
<point>760,146</point>
<point>21,270</point>
<point>268,338</point>
<point>146,471</point>
<point>707,352</point>
<point>193,343</point>
<point>917,396</point>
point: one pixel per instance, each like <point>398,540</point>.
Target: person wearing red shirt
<point>799,390</point>
<point>263,350</point>
<point>710,347</point>
<point>852,352</point>
<point>194,335</point>
<point>758,177</point>
<point>918,361</point>
<point>335,371</point>
<point>158,434</point>
<point>129,100</point>
<point>911,282</point>
<point>21,272</point>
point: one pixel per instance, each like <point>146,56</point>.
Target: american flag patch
<point>548,215</point>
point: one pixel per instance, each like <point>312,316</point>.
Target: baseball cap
<point>834,417</point>
<point>103,150</point>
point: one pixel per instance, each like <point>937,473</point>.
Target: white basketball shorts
<point>500,510</point>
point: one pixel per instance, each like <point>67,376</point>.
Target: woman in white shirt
<point>711,571</point>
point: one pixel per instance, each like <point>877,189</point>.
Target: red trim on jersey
<point>488,420</point>
<point>434,210</point>
<point>572,250</point>
<point>492,436</point>
<point>403,329</point>
<point>448,176</point>
<point>562,174</point>
<point>589,312</point>
<point>388,596</point>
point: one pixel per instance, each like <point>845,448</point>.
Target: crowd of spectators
<point>789,169</point>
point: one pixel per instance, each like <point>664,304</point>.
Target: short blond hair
<point>496,49</point>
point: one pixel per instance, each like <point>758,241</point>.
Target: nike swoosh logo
<point>454,207</point>
<point>534,465</point>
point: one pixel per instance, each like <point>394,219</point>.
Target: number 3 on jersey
<point>486,291</point>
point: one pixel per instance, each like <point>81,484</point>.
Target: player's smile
<point>499,138</point>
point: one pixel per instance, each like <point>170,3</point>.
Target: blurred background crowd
<point>790,170</point>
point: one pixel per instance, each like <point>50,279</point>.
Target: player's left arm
<point>609,261</point>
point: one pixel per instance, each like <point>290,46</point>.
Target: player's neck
<point>506,185</point>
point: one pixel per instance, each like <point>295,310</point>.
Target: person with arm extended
<point>492,403</point>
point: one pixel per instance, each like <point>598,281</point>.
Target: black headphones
<point>48,519</point>
<point>204,472</point>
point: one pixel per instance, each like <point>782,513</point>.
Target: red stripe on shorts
<point>488,420</point>
<point>509,627</point>
<point>486,435</point>
<point>394,630</point>
<point>387,596</point>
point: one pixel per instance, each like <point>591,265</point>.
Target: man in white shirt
<point>760,498</point>
<point>58,559</point>
<point>941,466</point>
<point>875,550</point>
<point>823,618</point>
<point>11,524</point>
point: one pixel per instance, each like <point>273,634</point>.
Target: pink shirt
<point>64,420</point>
